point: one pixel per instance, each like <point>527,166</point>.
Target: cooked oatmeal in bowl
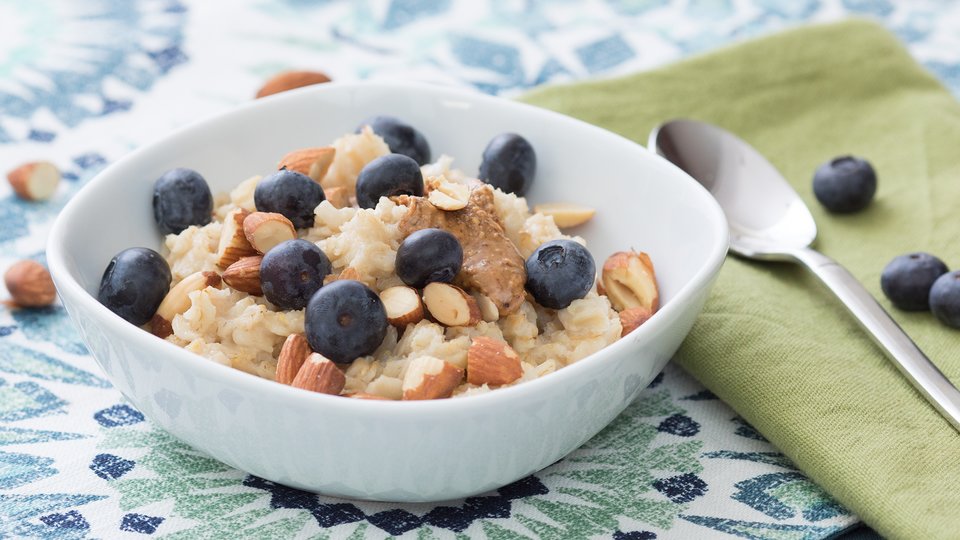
<point>359,272</point>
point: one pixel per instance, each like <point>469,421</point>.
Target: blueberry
<point>289,193</point>
<point>181,198</point>
<point>845,184</point>
<point>401,137</point>
<point>345,320</point>
<point>134,284</point>
<point>559,272</point>
<point>509,163</point>
<point>907,279</point>
<point>429,255</point>
<point>945,299</point>
<point>291,272</point>
<point>392,174</point>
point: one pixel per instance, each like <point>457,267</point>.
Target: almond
<point>233,242</point>
<point>428,377</point>
<point>632,318</point>
<point>264,230</point>
<point>244,275</point>
<point>365,395</point>
<point>488,310</point>
<point>288,80</point>
<point>29,284</point>
<point>177,300</point>
<point>629,281</point>
<point>319,374</point>
<point>35,181</point>
<point>293,354</point>
<point>403,305</point>
<point>450,305</point>
<point>338,196</point>
<point>447,195</point>
<point>566,214</point>
<point>312,162</point>
<point>493,362</point>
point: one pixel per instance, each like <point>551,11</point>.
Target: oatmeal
<point>449,288</point>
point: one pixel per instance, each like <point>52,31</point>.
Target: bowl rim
<point>68,286</point>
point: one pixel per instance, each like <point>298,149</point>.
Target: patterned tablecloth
<point>81,83</point>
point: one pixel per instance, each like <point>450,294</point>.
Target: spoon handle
<point>908,358</point>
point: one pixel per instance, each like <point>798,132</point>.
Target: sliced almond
<point>233,242</point>
<point>177,300</point>
<point>632,318</point>
<point>493,362</point>
<point>338,196</point>
<point>312,162</point>
<point>319,374</point>
<point>403,305</point>
<point>288,80</point>
<point>293,354</point>
<point>450,305</point>
<point>566,214</point>
<point>35,181</point>
<point>428,377</point>
<point>244,275</point>
<point>447,195</point>
<point>365,395</point>
<point>629,281</point>
<point>264,230</point>
<point>348,272</point>
<point>29,284</point>
<point>488,310</point>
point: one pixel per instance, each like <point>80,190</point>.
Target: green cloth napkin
<point>772,342</point>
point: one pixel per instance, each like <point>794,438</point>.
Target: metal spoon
<point>768,221</point>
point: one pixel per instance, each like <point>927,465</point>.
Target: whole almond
<point>493,362</point>
<point>29,284</point>
<point>244,275</point>
<point>319,374</point>
<point>35,181</point>
<point>288,80</point>
<point>312,162</point>
<point>293,354</point>
<point>264,230</point>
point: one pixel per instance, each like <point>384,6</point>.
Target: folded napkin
<point>772,342</point>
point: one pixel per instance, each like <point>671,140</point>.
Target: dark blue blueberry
<point>907,279</point>
<point>509,163</point>
<point>429,255</point>
<point>134,284</point>
<point>291,272</point>
<point>345,320</point>
<point>945,299</point>
<point>559,272</point>
<point>392,174</point>
<point>845,184</point>
<point>289,193</point>
<point>401,137</point>
<point>181,198</point>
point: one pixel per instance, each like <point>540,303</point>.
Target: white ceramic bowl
<point>397,451</point>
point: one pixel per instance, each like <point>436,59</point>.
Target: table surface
<point>83,83</point>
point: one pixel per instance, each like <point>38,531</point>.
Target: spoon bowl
<point>766,217</point>
<point>769,221</point>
